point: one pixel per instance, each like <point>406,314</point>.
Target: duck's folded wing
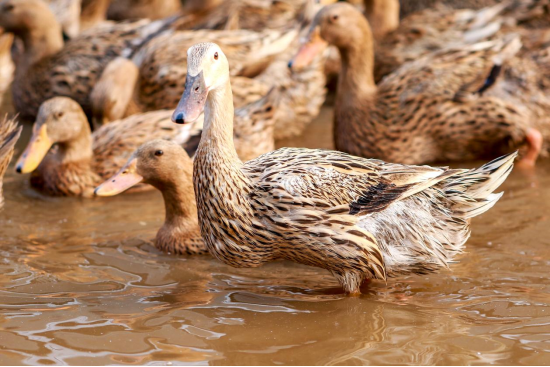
<point>336,182</point>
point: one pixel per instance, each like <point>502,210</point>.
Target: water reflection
<point>80,282</point>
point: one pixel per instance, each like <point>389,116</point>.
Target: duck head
<point>207,70</point>
<point>340,24</point>
<point>60,120</point>
<point>160,163</point>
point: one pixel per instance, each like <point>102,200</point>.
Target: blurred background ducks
<point>447,105</point>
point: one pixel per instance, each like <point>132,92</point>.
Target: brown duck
<point>9,134</point>
<point>78,160</point>
<point>358,218</point>
<point>167,167</point>
<point>50,68</point>
<point>435,108</point>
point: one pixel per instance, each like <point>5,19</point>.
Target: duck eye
<point>335,17</point>
<point>59,114</point>
<point>215,56</point>
<point>158,153</point>
<point>8,7</point>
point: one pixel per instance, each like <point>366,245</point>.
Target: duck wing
<point>336,181</point>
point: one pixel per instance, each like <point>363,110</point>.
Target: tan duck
<point>50,68</point>
<point>435,108</point>
<point>358,218</point>
<point>9,134</point>
<point>167,167</point>
<point>78,160</point>
<point>254,120</point>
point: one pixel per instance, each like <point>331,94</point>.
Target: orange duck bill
<point>311,47</point>
<point>36,150</point>
<point>122,181</point>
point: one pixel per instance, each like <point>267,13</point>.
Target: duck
<point>50,67</point>
<point>435,108</point>
<point>66,159</point>
<point>167,167</point>
<point>9,135</point>
<point>358,218</point>
<point>254,121</point>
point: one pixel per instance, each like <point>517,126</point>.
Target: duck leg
<point>534,143</point>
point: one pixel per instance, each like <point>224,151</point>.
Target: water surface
<point>81,283</point>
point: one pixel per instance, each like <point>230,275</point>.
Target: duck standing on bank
<point>358,218</point>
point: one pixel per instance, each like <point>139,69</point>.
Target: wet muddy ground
<point>80,283</point>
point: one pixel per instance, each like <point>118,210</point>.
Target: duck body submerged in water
<point>358,218</point>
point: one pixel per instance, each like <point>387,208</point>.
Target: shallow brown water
<point>80,283</point>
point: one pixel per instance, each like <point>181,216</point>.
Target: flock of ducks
<point>416,82</point>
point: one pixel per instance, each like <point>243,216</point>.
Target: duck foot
<point>534,142</point>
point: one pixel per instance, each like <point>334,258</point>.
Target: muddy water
<point>80,283</point>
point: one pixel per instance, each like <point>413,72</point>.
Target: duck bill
<point>122,181</point>
<point>36,150</point>
<point>312,47</point>
<point>192,102</point>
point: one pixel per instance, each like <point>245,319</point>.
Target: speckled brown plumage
<point>439,107</point>
<point>408,7</point>
<point>431,30</point>
<point>256,15</point>
<point>49,68</point>
<point>358,218</point>
<point>80,160</point>
<point>162,63</point>
<point>162,75</point>
<point>254,120</point>
<point>141,9</point>
<point>9,134</point>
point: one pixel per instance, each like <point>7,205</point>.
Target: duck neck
<point>78,149</point>
<point>383,16</point>
<point>218,124</point>
<point>357,74</point>
<point>40,41</point>
<point>356,108</point>
<point>93,12</point>
<point>223,189</point>
<point>179,204</point>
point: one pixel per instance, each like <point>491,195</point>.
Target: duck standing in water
<point>9,134</point>
<point>358,218</point>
